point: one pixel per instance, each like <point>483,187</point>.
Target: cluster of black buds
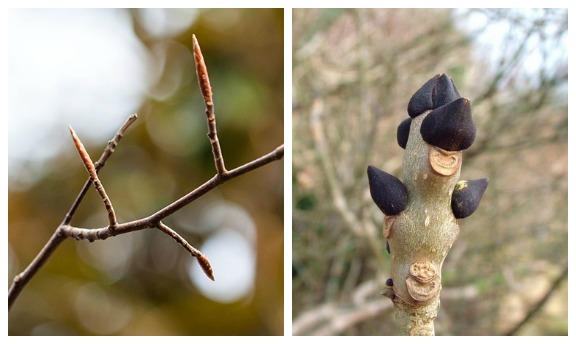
<point>449,127</point>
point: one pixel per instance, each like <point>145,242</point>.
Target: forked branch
<point>65,230</point>
<point>94,178</point>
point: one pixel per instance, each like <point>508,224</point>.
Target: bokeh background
<point>354,71</point>
<point>92,68</point>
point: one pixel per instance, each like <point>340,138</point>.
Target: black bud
<point>436,92</point>
<point>450,127</point>
<point>403,132</point>
<point>387,191</point>
<point>466,197</point>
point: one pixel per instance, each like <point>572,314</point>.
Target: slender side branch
<point>94,177</point>
<point>206,90</point>
<point>202,260</point>
<point>22,279</point>
<point>110,148</point>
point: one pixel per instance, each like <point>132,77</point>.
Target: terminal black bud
<point>450,127</point>
<point>436,92</point>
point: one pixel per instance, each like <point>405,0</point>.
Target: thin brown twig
<point>202,260</point>
<point>333,318</point>
<point>206,89</point>
<point>362,229</point>
<point>537,307</point>
<point>94,177</point>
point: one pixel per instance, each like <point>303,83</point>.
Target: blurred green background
<point>143,283</point>
<point>354,71</point>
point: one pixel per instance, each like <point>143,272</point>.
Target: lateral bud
<point>466,197</point>
<point>403,132</point>
<point>387,191</point>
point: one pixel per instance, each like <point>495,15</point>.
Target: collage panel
<point>430,171</point>
<point>176,116</point>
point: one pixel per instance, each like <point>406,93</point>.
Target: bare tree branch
<point>25,276</point>
<point>538,305</point>
<point>66,230</point>
<point>333,318</point>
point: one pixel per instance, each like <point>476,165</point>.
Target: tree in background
<point>141,283</point>
<point>353,73</point>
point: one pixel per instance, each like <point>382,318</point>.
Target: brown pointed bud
<point>450,127</point>
<point>403,132</point>
<point>387,191</point>
<point>205,265</point>
<point>202,72</point>
<point>436,92</point>
<point>466,197</point>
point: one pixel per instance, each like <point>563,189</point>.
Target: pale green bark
<point>421,236</point>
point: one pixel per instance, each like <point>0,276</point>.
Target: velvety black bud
<point>403,132</point>
<point>436,92</point>
<point>466,197</point>
<point>450,127</point>
<point>387,191</point>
